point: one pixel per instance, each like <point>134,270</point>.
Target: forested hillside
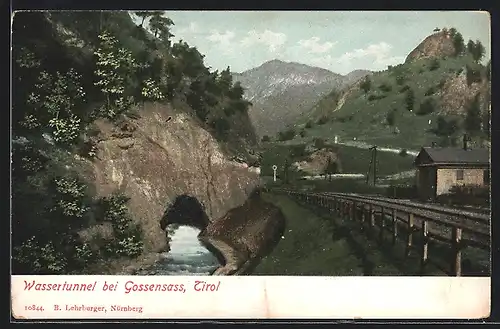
<point>69,70</point>
<point>441,91</point>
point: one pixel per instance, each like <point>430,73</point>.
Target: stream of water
<point>187,256</point>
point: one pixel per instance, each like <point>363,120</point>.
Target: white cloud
<point>222,40</point>
<point>373,57</point>
<point>191,28</point>
<point>315,47</point>
<point>273,40</point>
<point>379,53</point>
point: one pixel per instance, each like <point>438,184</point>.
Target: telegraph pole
<point>369,169</point>
<point>373,160</point>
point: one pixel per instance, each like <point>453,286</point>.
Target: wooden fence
<point>459,228</point>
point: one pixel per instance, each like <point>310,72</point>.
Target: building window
<point>460,174</point>
<point>486,177</point>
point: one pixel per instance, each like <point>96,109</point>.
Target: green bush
<point>127,234</point>
<point>385,87</point>
<point>428,106</point>
<point>373,97</point>
<point>366,85</point>
<point>473,195</point>
<point>473,75</point>
<point>402,191</point>
<point>434,65</point>
<point>400,79</point>
<point>391,117</point>
<point>322,120</point>
<point>410,99</point>
<point>319,143</point>
<point>288,134</point>
<point>441,84</point>
<point>404,89</point>
<point>429,92</point>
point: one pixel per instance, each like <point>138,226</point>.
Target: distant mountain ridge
<point>281,91</point>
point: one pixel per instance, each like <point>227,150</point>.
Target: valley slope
<point>441,91</point>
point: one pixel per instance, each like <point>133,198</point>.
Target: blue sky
<point>340,41</point>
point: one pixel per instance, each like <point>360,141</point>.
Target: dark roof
<point>449,155</point>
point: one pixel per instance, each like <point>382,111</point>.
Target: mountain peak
<point>282,91</point>
<point>275,61</point>
<point>438,44</point>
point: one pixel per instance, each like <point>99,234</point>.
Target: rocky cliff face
<point>153,159</point>
<point>318,162</point>
<point>439,44</point>
<point>456,94</point>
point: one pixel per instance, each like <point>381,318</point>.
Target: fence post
<point>394,226</point>
<point>456,241</point>
<point>354,209</point>
<point>371,217</point>
<point>425,243</point>
<point>382,224</point>
<point>409,240</point>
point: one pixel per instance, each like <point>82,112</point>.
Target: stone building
<point>439,169</point>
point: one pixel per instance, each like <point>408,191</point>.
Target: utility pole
<point>373,160</point>
<point>369,169</point>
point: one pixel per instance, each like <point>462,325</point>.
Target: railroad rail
<point>459,228</point>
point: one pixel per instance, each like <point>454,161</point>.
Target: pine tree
<point>471,46</point>
<point>144,15</point>
<point>160,27</point>
<point>391,117</point>
<point>458,43</point>
<point>478,52</point>
<point>366,85</point>
<point>473,117</point>
<point>410,99</point>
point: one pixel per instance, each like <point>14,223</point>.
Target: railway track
<point>417,224</point>
<point>480,216</point>
<point>441,220</point>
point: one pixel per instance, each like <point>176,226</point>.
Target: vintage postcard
<point>250,165</point>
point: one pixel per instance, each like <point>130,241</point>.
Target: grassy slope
<point>368,121</point>
<point>354,160</point>
<point>317,245</point>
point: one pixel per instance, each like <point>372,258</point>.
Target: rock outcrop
<point>239,238</point>
<point>456,94</point>
<point>152,160</point>
<point>436,45</point>
<point>318,161</point>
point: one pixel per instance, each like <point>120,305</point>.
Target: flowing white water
<point>187,256</point>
